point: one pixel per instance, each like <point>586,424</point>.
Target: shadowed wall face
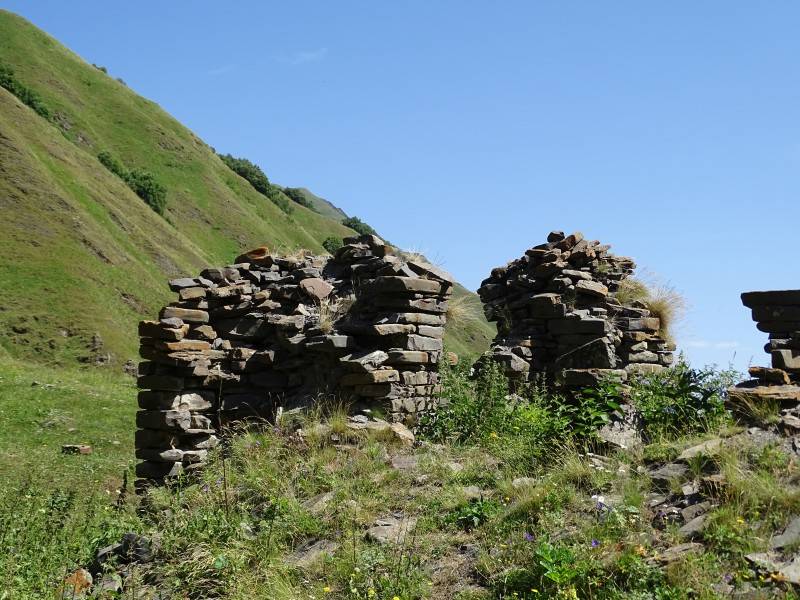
<point>364,327</point>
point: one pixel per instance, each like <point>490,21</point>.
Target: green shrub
<point>358,225</point>
<point>112,164</point>
<point>23,92</point>
<point>143,183</point>
<point>332,244</point>
<point>258,179</point>
<point>681,400</point>
<point>148,189</point>
<point>296,195</point>
<point>481,410</point>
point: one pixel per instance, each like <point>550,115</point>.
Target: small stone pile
<point>273,333</point>
<point>778,314</point>
<point>558,316</point>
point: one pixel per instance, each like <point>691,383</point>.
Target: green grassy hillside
<point>81,253</point>
<point>323,206</point>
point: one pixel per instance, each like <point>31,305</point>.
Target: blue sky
<point>468,130</point>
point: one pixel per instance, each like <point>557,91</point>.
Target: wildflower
<point>595,543</point>
<point>370,593</point>
<point>396,598</point>
<point>493,435</point>
<point>326,589</point>
<point>529,537</point>
<point>640,550</point>
<point>740,520</point>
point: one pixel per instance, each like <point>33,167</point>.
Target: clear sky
<point>468,130</point>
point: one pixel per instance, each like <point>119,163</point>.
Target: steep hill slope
<point>81,253</point>
<point>323,206</point>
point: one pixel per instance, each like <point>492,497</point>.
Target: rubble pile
<point>279,332</point>
<point>558,316</point>
<point>778,314</point>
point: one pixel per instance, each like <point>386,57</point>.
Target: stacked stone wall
<point>558,316</point>
<point>273,333</point>
<point>776,313</point>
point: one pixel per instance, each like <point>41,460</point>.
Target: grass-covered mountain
<point>80,252</point>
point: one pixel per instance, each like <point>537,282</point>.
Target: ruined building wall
<point>364,326</point>
<point>558,316</point>
<point>777,313</point>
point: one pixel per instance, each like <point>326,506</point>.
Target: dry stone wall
<point>364,326</point>
<point>777,313</point>
<point>558,316</point>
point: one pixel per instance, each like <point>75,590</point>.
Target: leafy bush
<point>143,183</point>
<point>112,164</point>
<point>148,189</point>
<point>681,400</point>
<point>332,244</point>
<point>296,195</point>
<point>23,92</point>
<point>358,225</point>
<point>258,179</point>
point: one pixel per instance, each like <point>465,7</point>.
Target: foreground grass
<point>285,512</point>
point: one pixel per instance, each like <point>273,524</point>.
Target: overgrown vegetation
<point>332,244</point>
<point>258,179</point>
<point>358,225</point>
<point>26,95</point>
<point>500,500</point>
<point>143,183</point>
<point>296,195</point>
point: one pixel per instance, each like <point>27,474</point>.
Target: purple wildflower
<point>529,537</point>
<point>595,543</point>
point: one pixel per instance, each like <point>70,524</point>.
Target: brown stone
<point>767,375</point>
<point>378,376</point>
<point>771,298</point>
<point>316,288</point>
<point>187,314</point>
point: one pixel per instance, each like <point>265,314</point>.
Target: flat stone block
<point>771,298</point>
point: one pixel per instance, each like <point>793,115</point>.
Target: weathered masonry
<point>364,326</point>
<point>558,316</point>
<point>777,313</point>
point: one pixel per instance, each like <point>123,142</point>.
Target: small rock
<point>664,476</point>
<point>311,552</point>
<point>789,537</point>
<point>693,528</point>
<point>404,462</point>
<point>76,449</point>
<point>678,552</point>
<point>523,482</point>
<point>472,492</point>
<point>391,530</point>
<point>76,585</point>
<point>707,448</point>
<point>403,434</point>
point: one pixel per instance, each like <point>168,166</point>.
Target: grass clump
<point>661,299</point>
<point>332,244</point>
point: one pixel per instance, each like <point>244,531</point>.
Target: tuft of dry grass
<point>333,309</point>
<point>462,311</point>
<point>661,299</point>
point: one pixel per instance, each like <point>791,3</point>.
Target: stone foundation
<point>273,333</point>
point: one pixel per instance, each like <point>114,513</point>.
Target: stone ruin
<point>271,333</point>
<point>559,320</point>
<point>778,314</point>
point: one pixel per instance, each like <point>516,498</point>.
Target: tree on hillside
<point>296,195</point>
<point>359,226</point>
<point>258,179</point>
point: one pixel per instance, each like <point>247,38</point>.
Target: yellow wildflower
<point>326,589</point>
